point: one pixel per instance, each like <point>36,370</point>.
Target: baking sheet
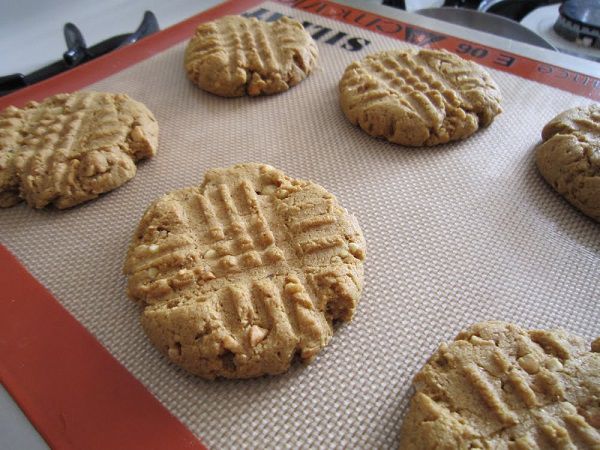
<point>458,233</point>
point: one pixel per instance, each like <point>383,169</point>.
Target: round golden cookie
<point>418,97</point>
<point>245,272</point>
<point>569,157</point>
<point>236,56</point>
<point>71,148</point>
<point>498,386</point>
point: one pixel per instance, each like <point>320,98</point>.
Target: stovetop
<point>31,32</point>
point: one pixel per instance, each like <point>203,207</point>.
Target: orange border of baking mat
<point>72,390</point>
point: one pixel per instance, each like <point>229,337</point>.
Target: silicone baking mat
<point>456,234</point>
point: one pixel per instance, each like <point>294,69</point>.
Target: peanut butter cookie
<point>569,157</point>
<point>236,56</point>
<point>241,274</point>
<point>71,148</point>
<point>498,386</point>
<point>418,97</point>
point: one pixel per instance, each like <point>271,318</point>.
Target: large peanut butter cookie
<point>236,56</point>
<point>71,148</point>
<point>498,386</point>
<point>569,157</point>
<point>244,272</point>
<point>418,97</point>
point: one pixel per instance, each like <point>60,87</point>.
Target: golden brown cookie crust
<point>569,157</point>
<point>71,148</point>
<point>235,56</point>
<point>244,272</point>
<point>498,386</point>
<point>418,97</point>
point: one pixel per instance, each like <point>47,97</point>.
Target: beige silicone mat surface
<point>456,234</point>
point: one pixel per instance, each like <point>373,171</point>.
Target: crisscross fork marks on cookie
<point>415,90</point>
<point>42,153</point>
<point>498,386</point>
<point>237,56</point>
<point>418,97</point>
<point>72,147</point>
<point>242,242</point>
<point>258,50</point>
<point>78,128</point>
<point>242,295</point>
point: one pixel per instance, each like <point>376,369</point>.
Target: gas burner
<point>579,22</point>
<point>544,22</point>
<point>78,53</point>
